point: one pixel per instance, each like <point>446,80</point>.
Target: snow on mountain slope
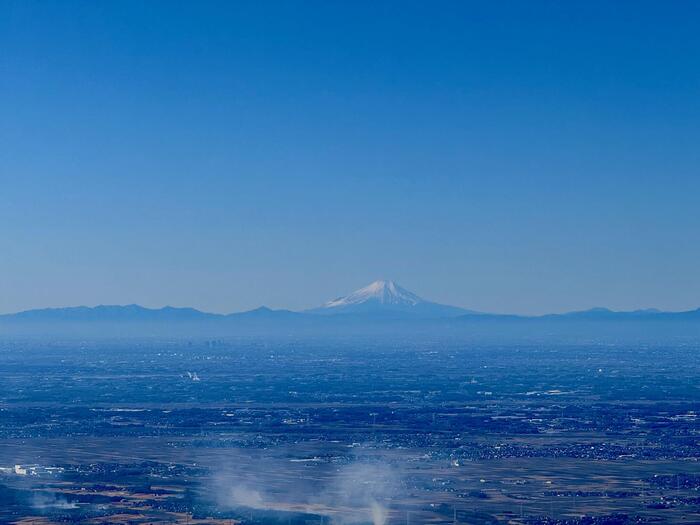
<point>383,292</point>
<point>386,297</point>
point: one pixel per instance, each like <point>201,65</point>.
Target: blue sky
<point>502,156</point>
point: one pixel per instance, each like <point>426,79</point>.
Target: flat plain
<point>354,431</point>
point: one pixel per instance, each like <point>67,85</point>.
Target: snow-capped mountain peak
<point>381,292</point>
<point>382,299</point>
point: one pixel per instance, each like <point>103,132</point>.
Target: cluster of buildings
<point>31,470</point>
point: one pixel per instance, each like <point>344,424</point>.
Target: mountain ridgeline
<point>383,308</point>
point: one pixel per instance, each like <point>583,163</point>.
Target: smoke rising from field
<point>242,496</point>
<point>47,501</point>
<point>359,492</point>
<point>369,488</point>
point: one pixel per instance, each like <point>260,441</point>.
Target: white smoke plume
<point>367,488</point>
<point>242,496</point>
<point>361,492</point>
<point>45,501</point>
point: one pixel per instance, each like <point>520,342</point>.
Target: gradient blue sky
<point>503,156</point>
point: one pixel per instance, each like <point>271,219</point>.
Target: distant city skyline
<point>519,157</point>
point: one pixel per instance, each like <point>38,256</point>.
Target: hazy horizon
<point>424,298</point>
<point>523,157</point>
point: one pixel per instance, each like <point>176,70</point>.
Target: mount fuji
<point>386,298</point>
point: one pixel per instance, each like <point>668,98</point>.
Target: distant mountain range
<point>382,307</point>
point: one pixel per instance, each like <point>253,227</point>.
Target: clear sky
<point>529,156</point>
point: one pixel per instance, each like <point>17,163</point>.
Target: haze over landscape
<point>319,262</point>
